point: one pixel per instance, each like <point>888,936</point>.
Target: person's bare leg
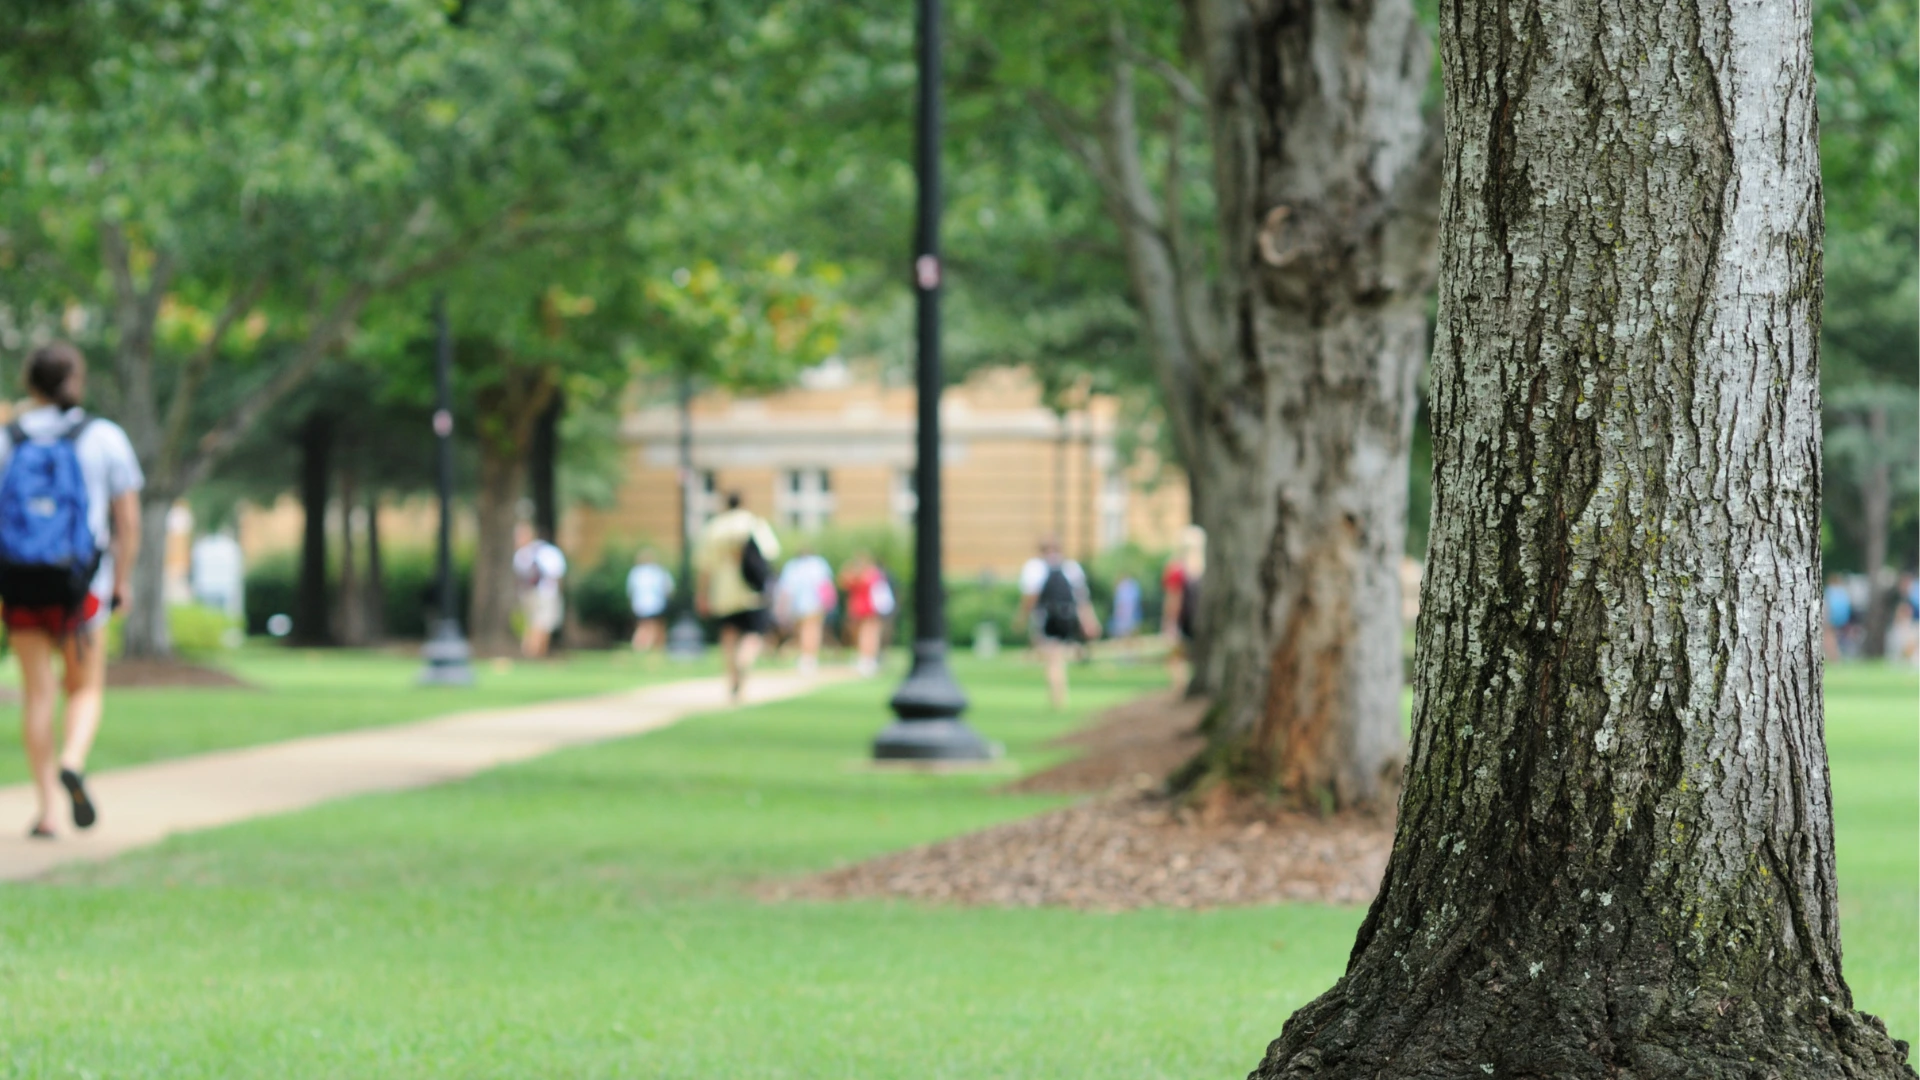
<point>810,630</point>
<point>729,656</point>
<point>744,654</point>
<point>1056,661</point>
<point>85,653</point>
<point>869,639</point>
<point>38,691</point>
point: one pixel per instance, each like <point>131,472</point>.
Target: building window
<point>905,496</point>
<point>805,499</point>
<point>1113,510</point>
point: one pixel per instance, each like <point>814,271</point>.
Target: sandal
<point>83,813</point>
<point>40,831</point>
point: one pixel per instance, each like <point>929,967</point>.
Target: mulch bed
<point>157,674</point>
<point>1128,846</point>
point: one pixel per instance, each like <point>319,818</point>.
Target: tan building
<point>838,450</point>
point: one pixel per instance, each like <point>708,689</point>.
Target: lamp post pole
<point>685,639</point>
<point>446,650</point>
<point>928,705</point>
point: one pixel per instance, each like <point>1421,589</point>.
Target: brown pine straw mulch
<point>1128,846</point>
<point>155,674</point>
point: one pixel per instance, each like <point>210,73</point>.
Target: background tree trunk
<point>507,413</point>
<point>376,587</point>
<point>1322,174</point>
<point>353,623</point>
<point>543,470</point>
<point>311,625</point>
<point>1615,853</point>
<point>147,634</point>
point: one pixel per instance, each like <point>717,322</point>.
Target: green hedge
<point>409,577</point>
<point>199,633</point>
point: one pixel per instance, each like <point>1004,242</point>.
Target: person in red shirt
<point>870,602</point>
<point>1181,586</point>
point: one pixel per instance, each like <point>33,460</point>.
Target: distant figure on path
<point>1058,609</point>
<point>541,570</point>
<point>1181,584</point>
<point>801,601</point>
<point>734,561</point>
<point>1124,621</point>
<point>870,601</point>
<point>1839,614</point>
<point>649,587</point>
<point>69,536</point>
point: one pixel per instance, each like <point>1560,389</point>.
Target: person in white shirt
<point>1058,608</point>
<point>541,570</point>
<point>801,600</point>
<point>110,472</point>
<point>649,587</point>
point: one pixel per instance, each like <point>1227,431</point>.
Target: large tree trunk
<point>1321,177</point>
<point>311,622</point>
<point>1615,848</point>
<point>543,470</point>
<point>376,586</point>
<point>353,611</point>
<point>147,633</point>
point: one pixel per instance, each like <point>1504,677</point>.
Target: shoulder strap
<point>16,434</point>
<point>74,429</point>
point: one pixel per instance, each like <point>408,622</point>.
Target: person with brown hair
<point>69,534</point>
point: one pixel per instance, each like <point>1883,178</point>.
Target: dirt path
<point>147,803</point>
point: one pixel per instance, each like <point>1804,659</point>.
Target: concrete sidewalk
<point>147,803</point>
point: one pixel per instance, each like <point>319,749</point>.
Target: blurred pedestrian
<point>1180,610</point>
<point>734,562</point>
<point>1124,620</point>
<point>801,601</point>
<point>541,571</point>
<point>1057,606</point>
<point>649,588</point>
<point>68,563</point>
<point>1839,610</point>
<point>870,601</point>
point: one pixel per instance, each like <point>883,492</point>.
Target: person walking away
<point>69,535</point>
<point>1058,609</point>
<point>1124,620</point>
<point>801,600</point>
<point>869,602</point>
<point>1839,614</point>
<point>1178,613</point>
<point>649,587</point>
<point>733,561</point>
<point>541,570</point>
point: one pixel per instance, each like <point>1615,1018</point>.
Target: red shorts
<point>57,621</point>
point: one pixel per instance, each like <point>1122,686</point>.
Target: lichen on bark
<point>1615,848</point>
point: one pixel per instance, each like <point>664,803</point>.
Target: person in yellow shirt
<point>733,564</point>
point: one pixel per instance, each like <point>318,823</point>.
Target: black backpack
<point>1189,608</point>
<point>1059,607</point>
<point>754,569</point>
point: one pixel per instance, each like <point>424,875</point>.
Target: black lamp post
<point>446,649</point>
<point>927,707</point>
<point>685,639</point>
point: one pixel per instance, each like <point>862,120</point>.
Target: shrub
<point>408,577</point>
<point>199,633</point>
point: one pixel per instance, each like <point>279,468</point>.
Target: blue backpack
<point>48,553</point>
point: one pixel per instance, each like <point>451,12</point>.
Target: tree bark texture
<point>1615,850</point>
<point>1322,170</point>
<point>508,410</point>
<point>312,624</point>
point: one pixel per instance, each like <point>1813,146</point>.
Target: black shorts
<point>750,621</point>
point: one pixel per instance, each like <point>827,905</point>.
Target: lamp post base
<point>447,656</point>
<point>685,639</point>
<point>927,708</point>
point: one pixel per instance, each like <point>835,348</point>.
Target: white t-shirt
<point>803,584</point>
<point>648,586</point>
<point>107,463</point>
<point>1033,576</point>
<point>539,565</point>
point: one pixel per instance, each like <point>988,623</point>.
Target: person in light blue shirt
<point>649,587</point>
<point>801,600</point>
<point>1839,615</point>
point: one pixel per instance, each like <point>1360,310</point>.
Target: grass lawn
<point>584,915</point>
<point>307,692</point>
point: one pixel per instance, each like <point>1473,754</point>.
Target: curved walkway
<point>145,804</point>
